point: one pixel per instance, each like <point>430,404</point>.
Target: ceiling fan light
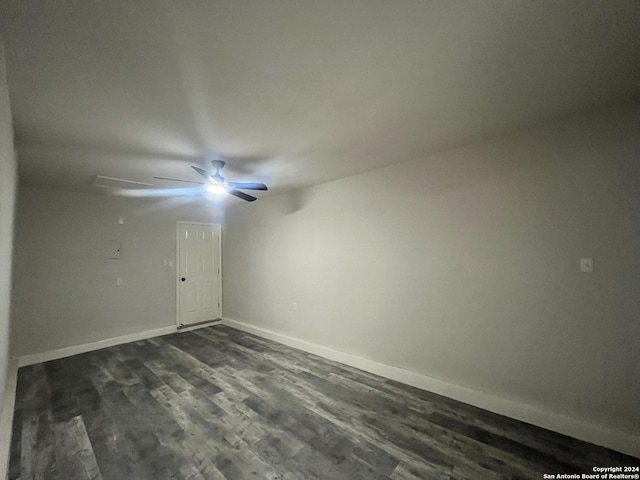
<point>216,189</point>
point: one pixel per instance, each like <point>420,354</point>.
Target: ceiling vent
<point>109,182</point>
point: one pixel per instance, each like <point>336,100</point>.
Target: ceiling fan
<point>215,184</point>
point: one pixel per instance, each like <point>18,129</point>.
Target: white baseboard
<point>6,417</point>
<point>200,325</point>
<point>573,427</point>
<point>88,347</point>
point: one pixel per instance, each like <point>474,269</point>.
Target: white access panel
<point>199,273</point>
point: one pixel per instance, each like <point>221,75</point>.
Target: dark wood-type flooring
<point>217,403</point>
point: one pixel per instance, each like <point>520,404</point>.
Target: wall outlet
<point>294,306</point>
<point>119,281</point>
<point>586,265</point>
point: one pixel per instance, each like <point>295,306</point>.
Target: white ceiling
<point>296,92</point>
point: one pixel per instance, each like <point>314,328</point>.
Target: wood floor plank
<point>16,445</point>
<point>74,453</point>
<point>38,448</point>
<point>220,404</point>
<point>137,443</point>
<point>230,454</point>
<point>114,452</point>
<point>328,414</point>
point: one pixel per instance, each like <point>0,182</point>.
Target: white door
<point>199,298</point>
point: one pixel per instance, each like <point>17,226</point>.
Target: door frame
<point>177,270</point>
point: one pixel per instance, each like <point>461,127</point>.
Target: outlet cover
<point>586,265</point>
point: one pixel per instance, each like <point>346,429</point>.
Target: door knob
<point>183,279</point>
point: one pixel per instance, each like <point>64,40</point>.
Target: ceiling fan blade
<point>242,195</point>
<point>246,185</point>
<point>159,192</point>
<point>203,173</point>
<point>178,180</point>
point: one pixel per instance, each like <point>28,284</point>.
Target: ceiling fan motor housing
<point>216,183</point>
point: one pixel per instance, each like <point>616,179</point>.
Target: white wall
<point>464,267</point>
<point>8,179</point>
<point>65,293</point>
